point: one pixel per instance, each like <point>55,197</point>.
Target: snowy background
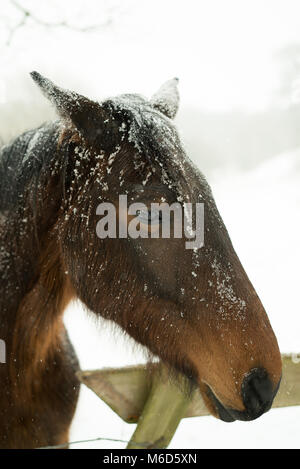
<point>239,69</point>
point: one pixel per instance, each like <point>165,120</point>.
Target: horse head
<point>195,309</point>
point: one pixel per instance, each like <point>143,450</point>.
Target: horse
<point>194,309</point>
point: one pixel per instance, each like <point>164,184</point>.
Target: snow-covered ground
<point>261,210</point>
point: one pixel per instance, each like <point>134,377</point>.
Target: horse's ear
<point>166,100</point>
<point>90,119</point>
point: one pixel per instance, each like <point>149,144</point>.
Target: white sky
<point>222,51</point>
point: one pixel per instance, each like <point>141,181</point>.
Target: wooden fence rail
<point>158,404</point>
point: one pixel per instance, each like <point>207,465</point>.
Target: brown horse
<point>193,308</point>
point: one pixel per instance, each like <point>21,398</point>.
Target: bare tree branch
<point>19,25</point>
<point>26,14</point>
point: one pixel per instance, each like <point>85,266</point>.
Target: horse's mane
<point>22,160</point>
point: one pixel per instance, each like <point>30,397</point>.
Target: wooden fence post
<point>165,407</point>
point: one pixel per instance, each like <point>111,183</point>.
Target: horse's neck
<point>18,268</point>
<point>23,240</point>
<point>33,290</point>
<point>31,189</point>
<point>32,326</point>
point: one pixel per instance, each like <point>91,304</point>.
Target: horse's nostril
<point>257,392</point>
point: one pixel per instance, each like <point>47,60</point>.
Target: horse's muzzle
<point>257,393</point>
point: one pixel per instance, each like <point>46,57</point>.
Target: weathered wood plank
<point>124,390</point>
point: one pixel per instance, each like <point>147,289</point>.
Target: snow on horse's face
<point>194,308</point>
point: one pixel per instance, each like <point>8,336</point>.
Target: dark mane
<point>22,160</point>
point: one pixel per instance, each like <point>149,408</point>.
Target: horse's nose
<point>258,393</point>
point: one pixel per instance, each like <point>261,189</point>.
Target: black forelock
<point>148,130</point>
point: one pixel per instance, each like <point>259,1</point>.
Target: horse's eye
<point>149,216</point>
